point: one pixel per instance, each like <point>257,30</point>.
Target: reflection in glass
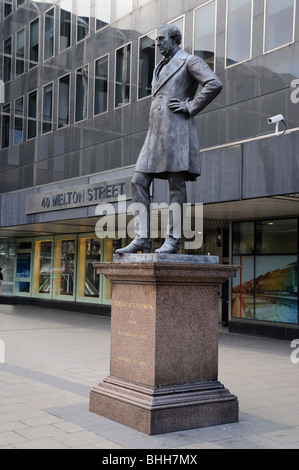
<point>7,60</point>
<point>101,85</point>
<point>243,238</point>
<point>19,117</point>
<point>49,34</point>
<point>42,268</point>
<point>65,24</point>
<point>83,14</point>
<point>147,56</point>
<point>279,23</point>
<point>123,76</point>
<point>204,33</point>
<point>276,236</point>
<point>47,108</point>
<point>239,18</point>
<point>34,43</point>
<point>89,280</point>
<point>243,288</point>
<point>32,115</point>
<point>20,52</point>
<point>5,126</point>
<point>81,93</point>
<point>64,101</point>
<point>276,289</point>
<point>65,267</point>
<point>102,13</point>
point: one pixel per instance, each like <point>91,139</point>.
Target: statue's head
<point>169,37</point>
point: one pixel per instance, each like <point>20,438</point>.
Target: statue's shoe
<point>171,245</point>
<point>138,244</point>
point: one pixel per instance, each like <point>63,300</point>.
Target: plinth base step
<point>158,410</point>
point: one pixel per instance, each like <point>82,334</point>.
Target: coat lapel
<point>168,70</point>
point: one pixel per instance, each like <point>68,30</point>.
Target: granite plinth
<point>164,345</point>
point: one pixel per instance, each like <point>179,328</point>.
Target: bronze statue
<point>171,149</point>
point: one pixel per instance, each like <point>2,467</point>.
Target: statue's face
<point>164,42</point>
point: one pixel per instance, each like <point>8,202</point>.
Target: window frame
<point>29,118</point>
<point>18,116</point>
<point>33,64</point>
<point>20,59</point>
<point>7,56</point>
<point>69,101</point>
<point>44,33</point>
<point>109,22</point>
<point>80,16</point>
<point>226,39</point>
<point>108,84</point>
<point>265,29</point>
<point>42,110</point>
<point>115,82</point>
<point>70,30</point>
<point>87,95</point>
<point>215,28</point>
<point>154,31</point>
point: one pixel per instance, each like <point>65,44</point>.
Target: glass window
<point>276,236</point>
<point>276,289</point>
<point>83,18</point>
<point>123,7</point>
<point>34,43</point>
<point>243,238</point>
<point>5,125</point>
<point>101,85</point>
<point>23,268</point>
<point>243,288</point>
<point>102,13</point>
<point>47,108</point>
<point>279,23</point>
<point>239,31</point>
<point>42,267</point>
<point>20,52</point>
<point>49,34</point>
<point>7,50</point>
<point>19,121</point>
<point>123,76</point>
<point>32,115</point>
<point>81,98</point>
<point>65,267</point>
<point>204,33</point>
<point>64,101</point>
<point>65,24</point>
<point>147,61</point>
<point>7,8</point>
<point>20,3</point>
<point>89,280</point>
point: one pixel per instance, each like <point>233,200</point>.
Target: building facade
<point>76,87</point>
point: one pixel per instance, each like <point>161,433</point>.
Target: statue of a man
<point>171,149</point>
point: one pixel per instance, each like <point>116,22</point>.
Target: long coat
<point>172,142</point>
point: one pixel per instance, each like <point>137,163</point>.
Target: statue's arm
<point>210,83</point>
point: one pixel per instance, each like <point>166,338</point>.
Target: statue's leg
<point>141,197</point>
<point>177,199</point>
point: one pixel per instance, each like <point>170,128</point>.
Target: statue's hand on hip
<point>178,106</point>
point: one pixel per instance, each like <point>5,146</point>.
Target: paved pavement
<point>53,357</point>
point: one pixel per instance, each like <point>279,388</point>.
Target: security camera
<point>275,119</point>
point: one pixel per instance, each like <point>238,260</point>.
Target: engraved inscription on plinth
<point>132,337</point>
